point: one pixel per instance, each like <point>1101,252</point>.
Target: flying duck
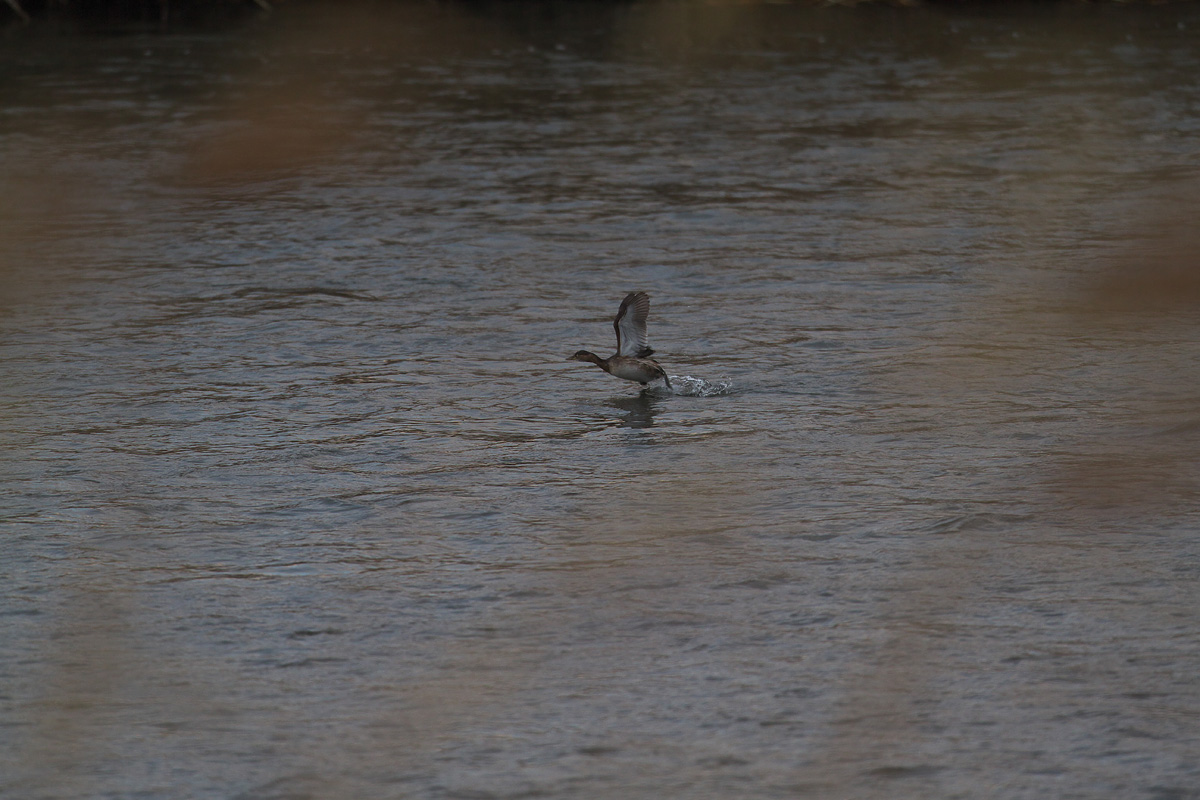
<point>632,360</point>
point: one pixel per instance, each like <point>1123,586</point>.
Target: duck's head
<point>584,355</point>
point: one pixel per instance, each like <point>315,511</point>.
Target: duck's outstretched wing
<point>630,325</point>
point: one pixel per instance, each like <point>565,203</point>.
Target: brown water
<point>303,500</point>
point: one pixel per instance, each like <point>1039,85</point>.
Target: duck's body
<point>641,370</point>
<point>632,360</point>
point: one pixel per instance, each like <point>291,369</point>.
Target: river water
<point>302,498</point>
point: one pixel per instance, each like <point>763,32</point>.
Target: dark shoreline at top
<point>217,12</point>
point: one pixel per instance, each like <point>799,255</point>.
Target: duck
<point>632,360</point>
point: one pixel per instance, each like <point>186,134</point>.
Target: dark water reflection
<point>639,410</point>
<point>303,500</point>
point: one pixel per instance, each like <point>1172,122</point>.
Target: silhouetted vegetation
<point>114,11</point>
<point>215,11</point>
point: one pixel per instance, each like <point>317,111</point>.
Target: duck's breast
<point>632,370</point>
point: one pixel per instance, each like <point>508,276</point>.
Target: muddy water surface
<point>303,499</point>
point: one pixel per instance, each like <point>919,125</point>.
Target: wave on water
<point>688,386</point>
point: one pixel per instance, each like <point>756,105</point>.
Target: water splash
<point>688,386</point>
